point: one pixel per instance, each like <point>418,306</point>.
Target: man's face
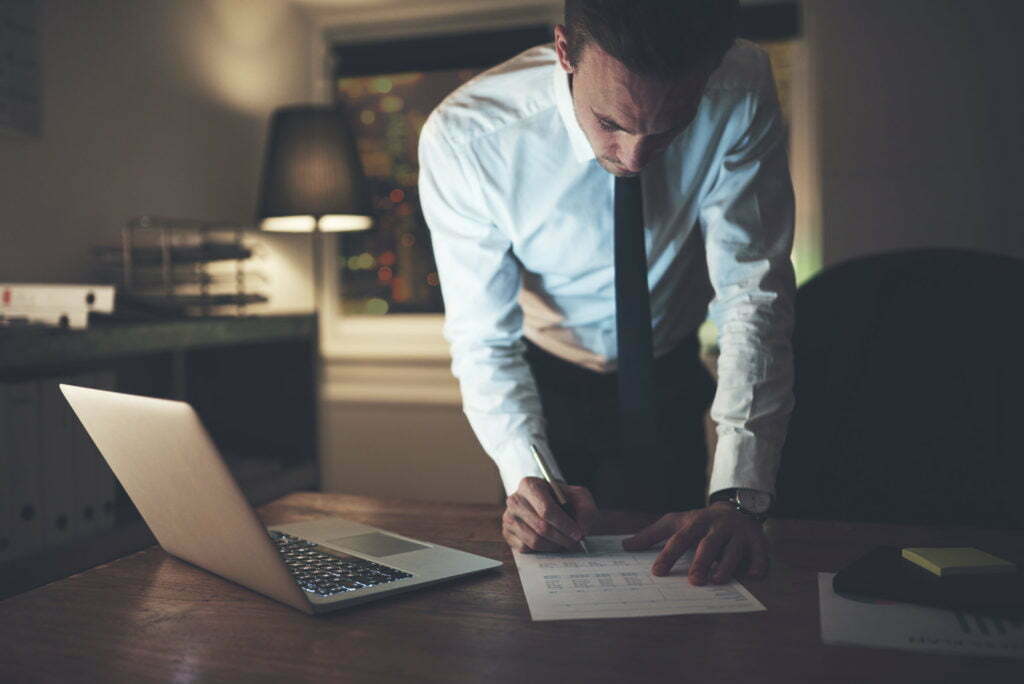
<point>628,119</point>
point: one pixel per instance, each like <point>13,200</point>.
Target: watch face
<point>753,500</point>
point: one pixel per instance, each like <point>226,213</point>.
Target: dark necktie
<point>633,319</point>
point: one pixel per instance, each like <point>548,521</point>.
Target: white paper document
<point>884,624</point>
<point>612,583</point>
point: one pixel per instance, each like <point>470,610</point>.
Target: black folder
<point>884,574</point>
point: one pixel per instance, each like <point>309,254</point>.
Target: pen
<point>559,494</point>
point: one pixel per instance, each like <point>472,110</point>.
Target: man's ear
<point>562,48</point>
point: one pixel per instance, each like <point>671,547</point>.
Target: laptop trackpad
<point>377,544</point>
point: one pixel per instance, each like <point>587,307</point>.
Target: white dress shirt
<point>521,217</point>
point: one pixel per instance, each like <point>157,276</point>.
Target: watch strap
<point>722,495</point>
<point>730,495</point>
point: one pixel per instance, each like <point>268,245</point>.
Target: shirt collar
<point>563,98</point>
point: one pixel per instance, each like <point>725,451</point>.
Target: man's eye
<point>607,125</point>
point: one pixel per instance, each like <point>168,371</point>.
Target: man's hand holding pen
<point>534,520</point>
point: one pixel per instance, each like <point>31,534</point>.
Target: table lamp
<point>312,180</point>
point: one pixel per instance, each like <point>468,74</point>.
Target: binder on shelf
<point>32,296</point>
<point>23,484</point>
<point>6,464</point>
<point>65,306</point>
<point>84,471</point>
<point>56,456</point>
<point>107,486</point>
<point>95,485</point>
<point>75,319</point>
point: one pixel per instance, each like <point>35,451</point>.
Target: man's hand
<point>720,533</point>
<point>533,520</point>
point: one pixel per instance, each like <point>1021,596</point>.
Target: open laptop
<point>171,470</point>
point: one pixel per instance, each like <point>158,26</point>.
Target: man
<point>528,182</point>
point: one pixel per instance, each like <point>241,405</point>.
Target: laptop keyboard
<point>326,574</point>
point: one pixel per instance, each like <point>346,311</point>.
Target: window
<point>389,90</point>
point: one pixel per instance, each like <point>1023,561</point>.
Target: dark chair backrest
<point>909,392</point>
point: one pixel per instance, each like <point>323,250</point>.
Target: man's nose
<point>636,154</point>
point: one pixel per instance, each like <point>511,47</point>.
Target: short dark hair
<point>660,39</point>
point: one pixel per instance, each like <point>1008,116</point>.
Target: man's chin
<point>616,170</point>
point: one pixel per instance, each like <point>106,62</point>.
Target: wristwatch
<point>752,502</point>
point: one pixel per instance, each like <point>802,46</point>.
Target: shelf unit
<point>174,264</point>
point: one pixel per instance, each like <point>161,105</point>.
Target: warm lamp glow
<point>331,223</point>
<point>288,224</point>
<point>344,222</point>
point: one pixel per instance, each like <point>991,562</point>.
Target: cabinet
<point>252,381</point>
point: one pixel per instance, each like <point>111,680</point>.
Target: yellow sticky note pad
<point>957,560</point>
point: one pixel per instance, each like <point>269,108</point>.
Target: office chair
<point>909,392</point>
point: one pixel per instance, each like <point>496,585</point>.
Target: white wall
<point>148,106</point>
<point>402,449</point>
<point>919,129</point>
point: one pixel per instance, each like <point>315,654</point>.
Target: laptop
<point>173,473</point>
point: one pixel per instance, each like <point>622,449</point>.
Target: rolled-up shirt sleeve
<point>480,281</point>
<point>747,220</point>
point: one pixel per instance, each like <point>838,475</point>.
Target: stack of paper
<point>884,624</point>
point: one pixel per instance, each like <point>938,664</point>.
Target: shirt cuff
<point>515,461</point>
<point>740,462</point>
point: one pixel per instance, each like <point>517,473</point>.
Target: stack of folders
<point>65,306</point>
<point>55,488</point>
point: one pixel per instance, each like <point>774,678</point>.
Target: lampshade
<point>311,173</point>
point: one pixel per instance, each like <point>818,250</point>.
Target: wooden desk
<point>149,616</point>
